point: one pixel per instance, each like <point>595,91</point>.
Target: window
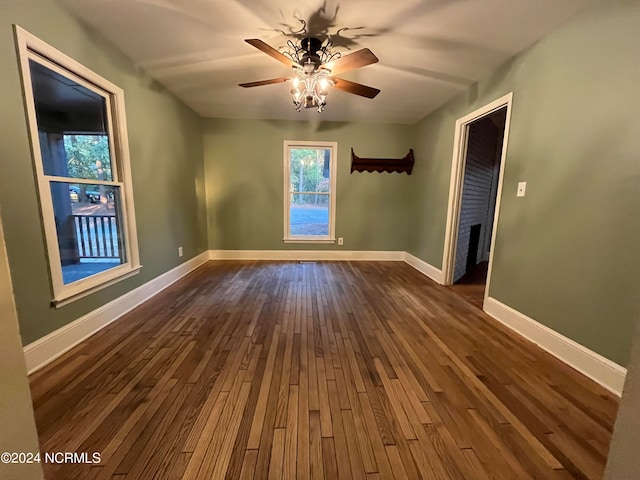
<point>81,161</point>
<point>309,186</point>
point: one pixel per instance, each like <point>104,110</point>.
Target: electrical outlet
<point>340,241</point>
<point>179,251</point>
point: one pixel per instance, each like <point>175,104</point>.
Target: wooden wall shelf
<point>399,165</point>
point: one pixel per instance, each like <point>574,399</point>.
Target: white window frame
<point>32,48</point>
<point>333,147</point>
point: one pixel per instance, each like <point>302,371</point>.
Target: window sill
<point>70,297</point>
<point>309,240</point>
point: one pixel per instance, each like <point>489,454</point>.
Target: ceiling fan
<point>315,68</point>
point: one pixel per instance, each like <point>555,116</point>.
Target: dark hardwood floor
<point>330,370</point>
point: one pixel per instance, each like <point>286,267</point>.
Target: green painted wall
<point>166,161</point>
<point>245,193</point>
<point>18,432</point>
<point>566,254</point>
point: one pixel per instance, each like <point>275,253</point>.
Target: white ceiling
<point>429,50</point>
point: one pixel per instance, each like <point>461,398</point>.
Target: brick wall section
<point>480,180</point>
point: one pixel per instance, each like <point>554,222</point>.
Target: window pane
<point>88,224</point>
<point>87,157</point>
<point>72,126</point>
<point>309,215</point>
<point>309,169</point>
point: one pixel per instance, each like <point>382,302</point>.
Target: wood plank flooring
<point>337,370</point>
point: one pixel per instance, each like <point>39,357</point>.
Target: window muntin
<point>310,191</point>
<point>81,162</point>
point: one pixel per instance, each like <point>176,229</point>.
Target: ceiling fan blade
<point>264,82</point>
<point>355,88</point>
<point>269,50</point>
<point>354,60</point>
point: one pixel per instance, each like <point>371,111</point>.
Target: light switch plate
<point>522,189</point>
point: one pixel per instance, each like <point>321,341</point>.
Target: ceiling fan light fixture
<point>310,89</point>
<point>313,63</point>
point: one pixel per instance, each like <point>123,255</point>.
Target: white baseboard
<point>396,256</point>
<point>423,267</point>
<point>48,348</point>
<point>591,364</point>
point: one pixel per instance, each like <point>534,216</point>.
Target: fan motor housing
<point>311,45</point>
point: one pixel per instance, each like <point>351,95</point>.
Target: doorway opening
<point>474,200</point>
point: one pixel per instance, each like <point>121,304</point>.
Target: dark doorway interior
<point>482,167</point>
<point>473,283</point>
<point>474,243</point>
